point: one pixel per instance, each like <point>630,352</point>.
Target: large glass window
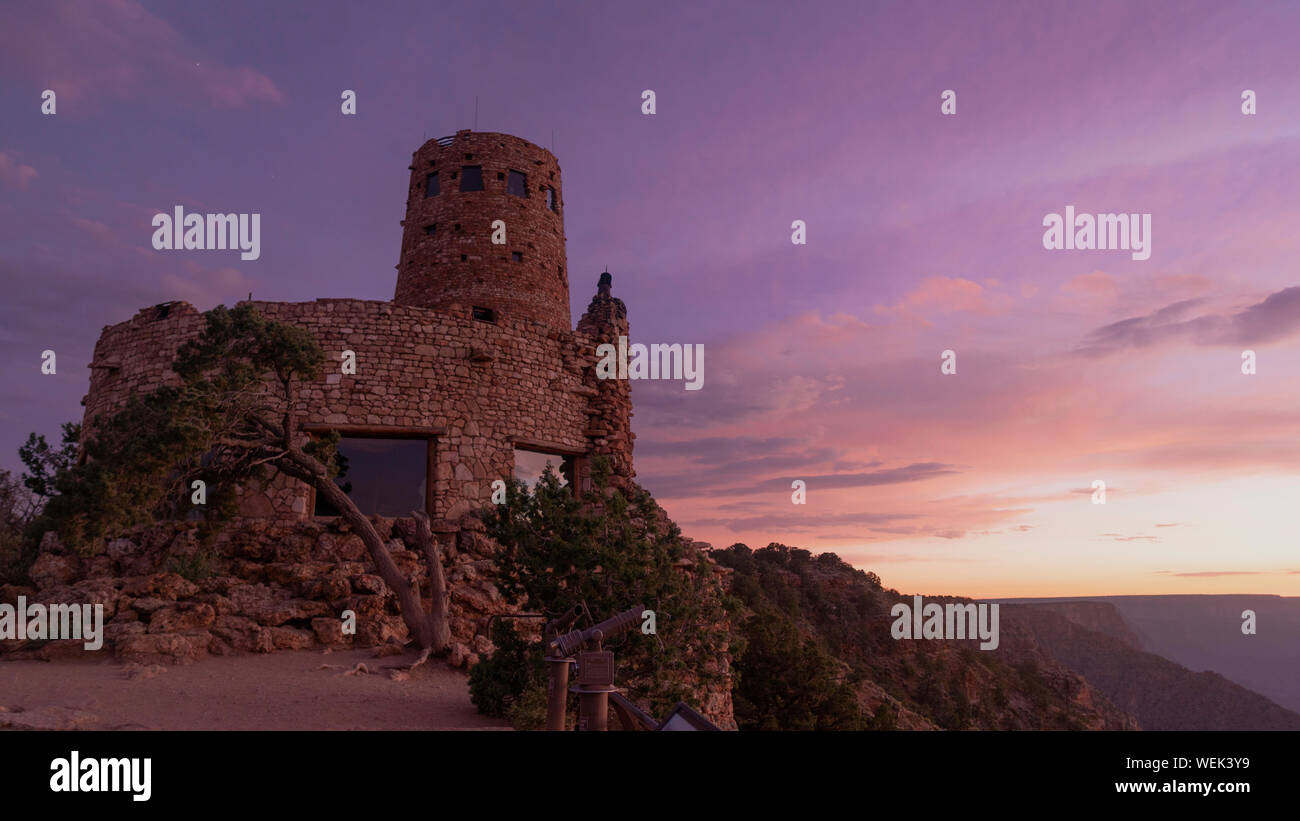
<point>384,477</point>
<point>431,185</point>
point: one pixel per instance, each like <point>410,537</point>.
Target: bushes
<point>511,682</point>
<point>786,682</point>
<point>608,550</point>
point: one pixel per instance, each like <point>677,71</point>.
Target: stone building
<point>472,373</point>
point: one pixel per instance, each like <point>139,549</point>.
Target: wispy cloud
<point>118,47</point>
<point>15,174</point>
<point>1273,319</point>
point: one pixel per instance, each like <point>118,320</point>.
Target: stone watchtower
<point>473,372</point>
<point>459,187</point>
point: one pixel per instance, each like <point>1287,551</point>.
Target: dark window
<point>500,176</point>
<point>429,229</point>
<point>471,178</point>
<point>485,314</point>
<point>431,185</point>
<point>550,200</point>
<point>458,227</point>
<point>469,156</point>
<point>515,256</point>
<point>530,465</point>
<point>384,477</point>
<point>464,258</point>
<point>518,184</point>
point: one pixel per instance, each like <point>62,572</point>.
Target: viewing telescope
<point>573,641</point>
<point>560,649</point>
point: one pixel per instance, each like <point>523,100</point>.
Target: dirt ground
<point>276,691</point>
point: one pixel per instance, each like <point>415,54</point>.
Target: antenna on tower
<point>476,112</point>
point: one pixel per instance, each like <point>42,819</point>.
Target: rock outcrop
<point>256,586</point>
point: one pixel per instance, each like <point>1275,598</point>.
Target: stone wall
<point>478,388</point>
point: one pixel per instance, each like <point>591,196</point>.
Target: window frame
<point>465,176</point>
<point>523,183</point>
<point>430,435</point>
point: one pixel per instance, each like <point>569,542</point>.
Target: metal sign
<point>596,668</point>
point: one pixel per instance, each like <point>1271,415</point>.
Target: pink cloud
<point>948,295</point>
<point>14,173</point>
<point>117,47</point>
<point>1099,289</point>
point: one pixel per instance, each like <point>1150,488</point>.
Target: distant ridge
<point>1160,693</point>
<point>1203,632</point>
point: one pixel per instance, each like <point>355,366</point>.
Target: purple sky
<point>924,234</point>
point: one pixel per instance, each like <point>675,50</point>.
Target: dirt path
<point>276,691</point>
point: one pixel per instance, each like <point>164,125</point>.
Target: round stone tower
<point>460,186</point>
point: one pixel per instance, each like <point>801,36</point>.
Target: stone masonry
<point>476,355</point>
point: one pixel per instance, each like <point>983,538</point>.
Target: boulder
<point>329,632</point>
<point>66,649</point>
<point>51,543</point>
<point>457,655</point>
<point>370,583</point>
<point>117,630</point>
<point>164,648</point>
<point>297,576</point>
<point>54,569</point>
<point>148,605</point>
<point>97,591</point>
<point>182,617</point>
<point>259,603</point>
<point>220,604</point>
<point>169,586</point>
<point>242,634</point>
<point>333,587</point>
<point>119,549</point>
<point>291,638</point>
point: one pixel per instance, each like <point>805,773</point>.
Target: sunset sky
<point>822,360</point>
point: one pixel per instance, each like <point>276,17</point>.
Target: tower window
<point>431,184</point>
<point>458,227</point>
<point>500,176</point>
<point>471,178</point>
<point>551,202</point>
<point>515,256</point>
<point>518,184</point>
<point>484,314</point>
<point>464,258</point>
<point>429,229</point>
